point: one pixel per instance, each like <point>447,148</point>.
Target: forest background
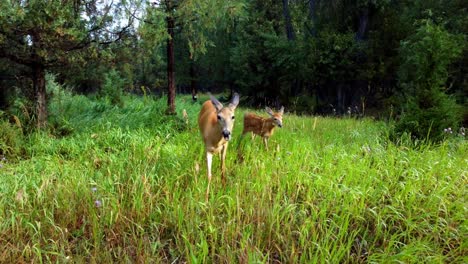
<point>391,59</point>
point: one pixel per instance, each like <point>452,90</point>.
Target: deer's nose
<point>226,134</point>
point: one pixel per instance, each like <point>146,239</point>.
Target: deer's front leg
<point>209,159</point>
<point>223,165</point>
<point>265,141</point>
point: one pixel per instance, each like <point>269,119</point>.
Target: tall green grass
<point>127,184</point>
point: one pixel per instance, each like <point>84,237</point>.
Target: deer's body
<point>216,123</point>
<point>261,126</point>
<point>258,125</point>
<point>212,136</point>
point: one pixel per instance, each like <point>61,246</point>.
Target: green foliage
<point>426,56</point>
<point>303,104</point>
<point>335,58</point>
<point>241,45</point>
<point>270,63</point>
<point>54,24</point>
<point>46,35</point>
<point>426,116</point>
<point>113,87</point>
<point>262,56</point>
<point>58,97</point>
<point>11,138</point>
<point>22,109</point>
<point>82,114</point>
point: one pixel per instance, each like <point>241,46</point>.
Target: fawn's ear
<point>216,103</point>
<point>269,111</point>
<point>234,102</point>
<point>281,111</point>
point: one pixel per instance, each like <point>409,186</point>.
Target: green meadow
<point>127,184</point>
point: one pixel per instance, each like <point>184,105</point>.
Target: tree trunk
<point>363,21</point>
<point>3,98</point>
<point>313,29</point>
<point>40,95</point>
<point>291,36</point>
<point>340,99</point>
<point>287,17</point>
<point>170,61</point>
<point>193,81</point>
<point>361,33</point>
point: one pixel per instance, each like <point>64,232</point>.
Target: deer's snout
<point>226,134</point>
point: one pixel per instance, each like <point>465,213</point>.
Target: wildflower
<point>366,149</point>
<point>333,109</point>
<point>94,189</point>
<point>20,195</point>
<point>461,132</point>
<point>98,203</point>
<point>185,116</point>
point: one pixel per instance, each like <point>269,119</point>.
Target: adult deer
<point>216,123</point>
<point>263,127</point>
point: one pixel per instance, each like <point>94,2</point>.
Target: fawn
<point>263,127</point>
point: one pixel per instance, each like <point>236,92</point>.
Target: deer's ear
<point>234,102</point>
<point>269,111</point>
<point>281,111</point>
<point>216,103</point>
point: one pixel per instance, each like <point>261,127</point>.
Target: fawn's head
<point>277,117</point>
<point>225,115</point>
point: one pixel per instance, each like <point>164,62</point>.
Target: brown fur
<point>258,125</point>
<point>211,132</point>
<point>261,126</point>
<point>216,123</point>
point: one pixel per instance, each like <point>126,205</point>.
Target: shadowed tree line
<point>318,57</point>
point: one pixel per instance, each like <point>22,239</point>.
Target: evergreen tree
<point>43,34</point>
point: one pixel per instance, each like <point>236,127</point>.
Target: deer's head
<point>225,115</point>
<point>276,116</point>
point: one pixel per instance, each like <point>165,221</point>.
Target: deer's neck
<point>269,125</point>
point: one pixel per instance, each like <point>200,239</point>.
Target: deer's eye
<point>219,117</point>
<point>233,117</point>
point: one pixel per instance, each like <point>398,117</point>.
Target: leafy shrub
<point>426,108</point>
<point>426,116</point>
<point>304,104</point>
<point>59,97</point>
<point>22,109</point>
<point>11,138</point>
<point>113,87</point>
<point>335,58</point>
